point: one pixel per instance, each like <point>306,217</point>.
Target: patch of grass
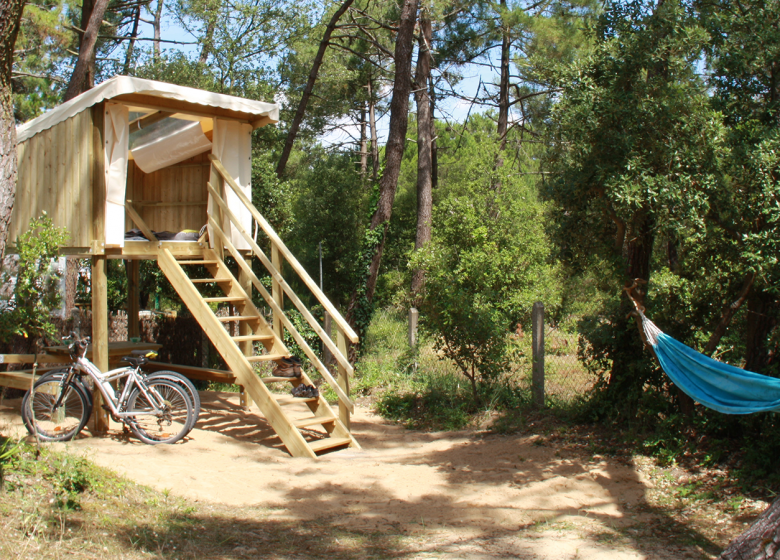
<point>57,505</point>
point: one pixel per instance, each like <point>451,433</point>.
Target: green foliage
<point>40,50</point>
<point>35,292</point>
<point>487,263</point>
<point>65,477</point>
<point>329,204</point>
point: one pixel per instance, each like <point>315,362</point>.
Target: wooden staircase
<point>239,351</point>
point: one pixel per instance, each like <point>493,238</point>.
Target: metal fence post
<point>537,342</point>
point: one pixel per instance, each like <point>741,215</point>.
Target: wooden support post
<point>99,421</point>
<point>327,355</point>
<point>219,184</point>
<point>276,290</point>
<point>133,269</point>
<point>99,335</point>
<point>537,342</point>
<point>246,346</point>
<point>343,381</point>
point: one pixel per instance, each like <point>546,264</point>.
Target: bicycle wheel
<point>186,385</point>
<point>171,424</point>
<point>61,424</point>
<point>77,380</point>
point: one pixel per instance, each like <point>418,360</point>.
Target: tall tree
<point>743,54</point>
<point>360,304</point>
<point>425,133</point>
<point>83,77</point>
<point>315,69</point>
<point>637,151</point>
<point>10,16</point>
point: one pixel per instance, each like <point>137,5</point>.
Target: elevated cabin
<point>138,169</point>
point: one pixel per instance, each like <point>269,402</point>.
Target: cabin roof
<point>138,90</point>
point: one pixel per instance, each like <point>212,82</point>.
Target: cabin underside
<point>198,272</point>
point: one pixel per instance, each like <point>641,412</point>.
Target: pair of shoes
<point>305,391</point>
<point>288,367</point>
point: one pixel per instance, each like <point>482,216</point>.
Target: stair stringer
<point>234,358</point>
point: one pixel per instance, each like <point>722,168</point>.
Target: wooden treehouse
<point>138,154</point>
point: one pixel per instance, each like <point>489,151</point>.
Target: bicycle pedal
<point>114,417</point>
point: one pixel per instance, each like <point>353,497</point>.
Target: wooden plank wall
<point>55,175</point>
<point>173,198</point>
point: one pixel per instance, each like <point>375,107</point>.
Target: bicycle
<point>158,408</point>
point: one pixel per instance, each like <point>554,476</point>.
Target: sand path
<point>470,495</point>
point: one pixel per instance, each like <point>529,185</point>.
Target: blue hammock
<point>716,385</point>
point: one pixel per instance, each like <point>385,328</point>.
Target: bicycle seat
<point>139,357</point>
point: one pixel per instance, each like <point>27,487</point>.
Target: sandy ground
<point>467,495</point>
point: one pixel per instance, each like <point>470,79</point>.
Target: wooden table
<point>21,379</point>
<point>116,350</point>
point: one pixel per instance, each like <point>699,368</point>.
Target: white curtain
<point>116,136</point>
<point>233,147</point>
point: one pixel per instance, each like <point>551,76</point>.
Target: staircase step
<point>247,337</point>
<point>210,280</point>
<point>238,318</point>
<point>204,261</point>
<point>277,379</point>
<point>265,357</point>
<point>317,420</point>
<point>223,299</point>
<point>327,443</point>
<point>283,400</point>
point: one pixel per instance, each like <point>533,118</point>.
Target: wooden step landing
<point>313,422</point>
<point>204,261</point>
<point>238,318</point>
<point>252,337</point>
<point>328,443</point>
<point>284,400</point>
<point>223,299</point>
<point>211,280</point>
<point>265,358</point>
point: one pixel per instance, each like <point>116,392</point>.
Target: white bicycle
<point>161,407</point>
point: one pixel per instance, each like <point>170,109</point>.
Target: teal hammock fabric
<point>716,385</point>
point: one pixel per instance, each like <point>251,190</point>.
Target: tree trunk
<point>315,69</point>
<point>374,134</point>
<point>761,541</point>
<point>728,314</point>
<point>762,318</point>
<point>394,150</point>
<point>399,121</point>
<point>636,252</point>
<point>208,40</point>
<point>10,16</point>
<point>503,87</point>
<point>363,144</point>
<point>434,149</point>
<point>131,43</point>
<point>157,24</point>
<point>424,147</point>
<point>83,76</point>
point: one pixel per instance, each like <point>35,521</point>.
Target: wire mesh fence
<point>566,377</point>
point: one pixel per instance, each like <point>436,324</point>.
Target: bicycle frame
<point>103,383</point>
<point>103,380</point>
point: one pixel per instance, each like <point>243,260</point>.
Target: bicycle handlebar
<point>79,345</point>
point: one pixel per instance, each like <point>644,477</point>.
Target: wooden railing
<point>280,288</point>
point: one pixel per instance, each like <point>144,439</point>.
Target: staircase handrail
<point>340,358</point>
<point>341,323</point>
<point>343,397</point>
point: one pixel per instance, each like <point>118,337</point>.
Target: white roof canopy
<point>129,90</point>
